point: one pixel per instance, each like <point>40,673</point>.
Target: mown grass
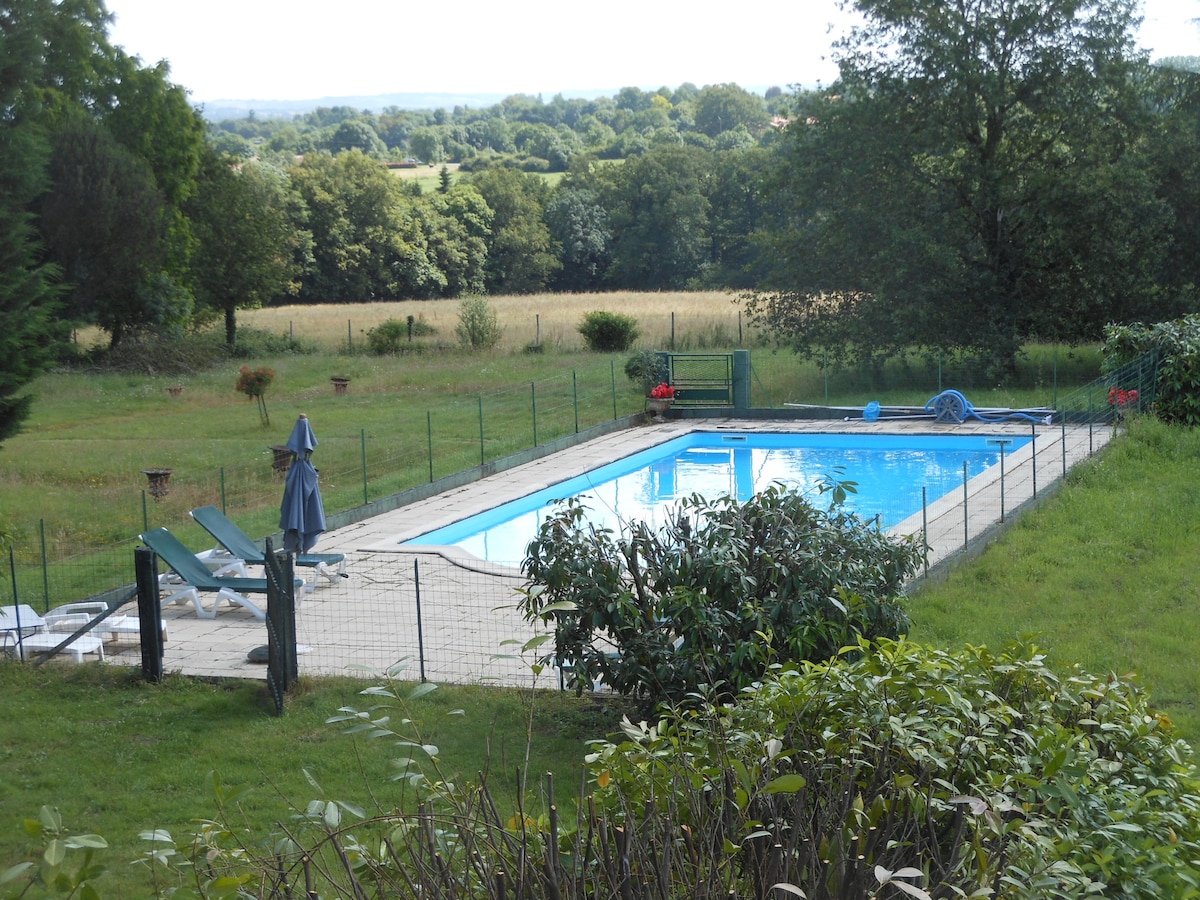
<point>118,756</point>
<point>1105,575</point>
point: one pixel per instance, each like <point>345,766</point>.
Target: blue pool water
<point>890,471</point>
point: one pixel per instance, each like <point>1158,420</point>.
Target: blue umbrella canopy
<point>301,514</point>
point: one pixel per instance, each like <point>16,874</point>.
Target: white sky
<point>303,49</point>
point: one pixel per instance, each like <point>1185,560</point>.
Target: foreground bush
<point>976,774</point>
<point>906,772</point>
<point>715,596</point>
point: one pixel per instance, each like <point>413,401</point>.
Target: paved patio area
<point>452,618</point>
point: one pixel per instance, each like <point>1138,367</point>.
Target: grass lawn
<point>1105,575</point>
<point>117,756</point>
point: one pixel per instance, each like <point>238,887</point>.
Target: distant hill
<point>216,110</point>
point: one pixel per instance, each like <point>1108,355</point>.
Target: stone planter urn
<point>658,406</point>
<point>160,482</point>
<point>340,383</point>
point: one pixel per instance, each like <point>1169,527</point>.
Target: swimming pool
<point>890,470</point>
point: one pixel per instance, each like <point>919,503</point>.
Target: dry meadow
<point>694,319</point>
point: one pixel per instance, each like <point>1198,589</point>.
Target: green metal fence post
<point>612,365</point>
<point>533,406</point>
<point>1002,442</point>
<point>420,623</point>
<point>429,439</point>
<point>223,489</point>
<point>1002,481</point>
<point>363,440</point>
<point>925,524</point>
<point>45,566</point>
<point>1054,403</point>
<point>145,513</point>
<point>481,456</point>
<point>1033,445</point>
<point>575,397</point>
<point>12,570</point>
<point>1063,423</point>
<point>966,515</point>
<point>46,569</point>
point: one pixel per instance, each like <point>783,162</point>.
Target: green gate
<point>699,379</point>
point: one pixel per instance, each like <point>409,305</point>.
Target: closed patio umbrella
<point>301,514</point>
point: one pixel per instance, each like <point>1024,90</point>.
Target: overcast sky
<point>303,49</point>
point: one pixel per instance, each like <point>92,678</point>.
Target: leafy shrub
<point>255,342</point>
<point>1177,343</point>
<point>941,774</point>
<point>608,332</point>
<point>714,597</point>
<point>478,325</point>
<point>642,369</point>
<point>991,774</point>
<point>390,337</point>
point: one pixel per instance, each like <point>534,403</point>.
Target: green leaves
<point>982,767</point>
<point>714,597</point>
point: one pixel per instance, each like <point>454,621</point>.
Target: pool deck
<point>368,621</point>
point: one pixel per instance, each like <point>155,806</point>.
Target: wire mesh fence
<point>444,617</point>
<point>1115,395</point>
<point>88,552</point>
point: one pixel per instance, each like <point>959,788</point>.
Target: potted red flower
<point>660,399</point>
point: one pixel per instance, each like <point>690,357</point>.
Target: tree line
<point>520,131</point>
<point>974,177</point>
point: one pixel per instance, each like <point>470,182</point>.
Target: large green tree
<point>28,292</point>
<point>579,226</point>
<point>104,225</point>
<point>658,210</point>
<point>520,253</point>
<point>367,238</point>
<point>723,107</point>
<point>45,51</point>
<point>250,246</point>
<point>458,223</point>
<point>976,176</point>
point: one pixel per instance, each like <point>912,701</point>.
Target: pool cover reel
<point>953,408</point>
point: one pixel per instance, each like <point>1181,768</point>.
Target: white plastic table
<point>21,617</point>
<point>18,621</point>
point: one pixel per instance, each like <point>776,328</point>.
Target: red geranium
<point>662,392</point>
<point>1122,399</point>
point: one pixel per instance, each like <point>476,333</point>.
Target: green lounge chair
<point>196,578</point>
<point>233,539</point>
